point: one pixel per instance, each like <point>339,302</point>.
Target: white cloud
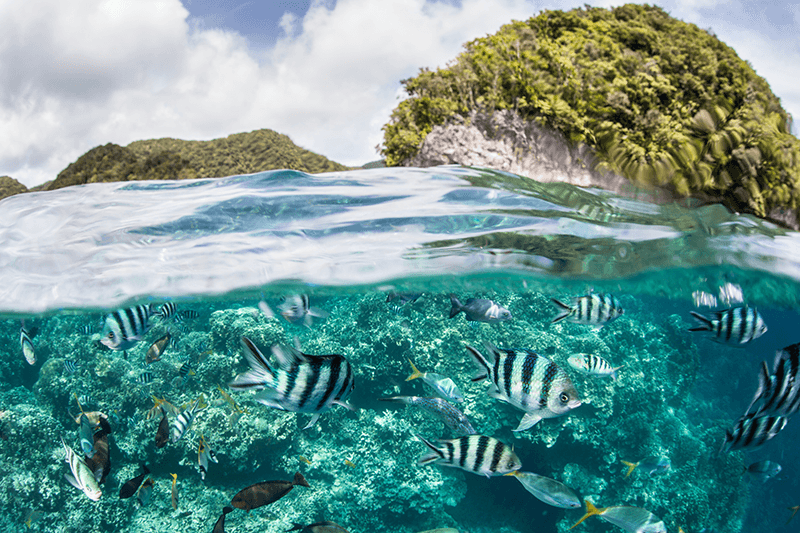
<point>82,73</point>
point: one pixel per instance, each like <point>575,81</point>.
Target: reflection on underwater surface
<point>346,241</point>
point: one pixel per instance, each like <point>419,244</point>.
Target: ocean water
<point>230,253</point>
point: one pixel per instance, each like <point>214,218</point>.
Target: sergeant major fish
<point>593,365</point>
<point>300,383</point>
<point>591,310</point>
<point>184,420</point>
<point>737,326</point>
<point>296,308</point>
<point>527,381</point>
<point>125,327</point>
<point>81,477</point>
<point>478,454</point>
<point>752,431</point>
<point>763,470</point>
<point>448,413</point>
<point>444,386</point>
<point>779,392</point>
<point>479,310</point>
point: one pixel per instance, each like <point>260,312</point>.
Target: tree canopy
<point>661,102</point>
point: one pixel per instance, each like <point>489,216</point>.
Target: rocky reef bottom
<point>361,465</point>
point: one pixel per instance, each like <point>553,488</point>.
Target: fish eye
<point>564,397</point>
<point>110,334</point>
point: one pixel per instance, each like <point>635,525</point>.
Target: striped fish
<point>204,454</point>
<point>145,378</point>
<point>594,365</point>
<point>167,310</point>
<point>301,383</point>
<point>779,392</point>
<point>81,476</point>
<point>751,432</point>
<point>296,308</point>
<point>478,454</point>
<point>592,310</point>
<point>27,346</point>
<point>737,326</point>
<point>125,327</point>
<point>184,420</point>
<point>70,366</point>
<point>188,314</point>
<point>527,381</point>
<point>448,413</point>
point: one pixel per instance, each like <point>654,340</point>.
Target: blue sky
<point>74,75</point>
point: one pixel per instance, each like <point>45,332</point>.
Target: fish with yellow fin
<point>174,491</point>
<point>652,466</point>
<point>443,385</point>
<point>631,519</point>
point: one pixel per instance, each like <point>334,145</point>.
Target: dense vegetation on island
<point>660,101</point>
<point>241,153</point>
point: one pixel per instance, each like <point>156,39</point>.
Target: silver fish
<point>548,490</point>
<point>631,519</point>
<point>27,346</point>
<point>296,308</point>
<point>125,327</point>
<point>87,436</point>
<point>81,476</point>
<point>448,413</point>
<point>592,310</point>
<point>764,470</point>
<point>444,386</point>
<point>527,381</point>
<point>593,365</point>
<point>300,383</point>
<point>652,466</point>
<point>478,454</point>
<point>479,310</point>
<point>737,326</point>
<point>751,432</point>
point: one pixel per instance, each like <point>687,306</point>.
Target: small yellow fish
<point>174,491</point>
<point>306,461</point>
<point>228,398</point>
<point>349,463</point>
<point>32,517</point>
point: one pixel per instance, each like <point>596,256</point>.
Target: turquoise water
<point>229,249</point>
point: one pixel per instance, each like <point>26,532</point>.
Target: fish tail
<point>456,306</point>
<point>300,480</point>
<point>566,311</point>
<point>614,373</point>
<point>481,362</point>
<point>227,509</point>
<point>429,457</point>
<point>260,372</point>
<point>705,323</point>
<point>631,467</point>
<point>415,374</point>
<point>591,510</point>
<point>174,478</point>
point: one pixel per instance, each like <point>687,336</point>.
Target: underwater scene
<point>404,350</point>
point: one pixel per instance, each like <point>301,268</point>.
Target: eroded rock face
<point>505,141</point>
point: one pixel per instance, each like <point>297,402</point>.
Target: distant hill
<point>241,153</point>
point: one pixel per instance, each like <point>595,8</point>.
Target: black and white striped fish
<point>527,381</point>
<point>167,310</point>
<point>125,327</point>
<point>70,366</point>
<point>448,413</point>
<point>594,365</point>
<point>752,431</point>
<point>300,383</point>
<point>779,393</point>
<point>738,325</point>
<point>204,454</point>
<point>145,378</point>
<point>184,420</point>
<point>186,370</point>
<point>592,310</point>
<point>297,307</point>
<point>478,454</point>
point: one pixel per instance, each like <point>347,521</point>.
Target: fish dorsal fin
<point>288,355</point>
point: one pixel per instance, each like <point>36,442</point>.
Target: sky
<point>78,74</point>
